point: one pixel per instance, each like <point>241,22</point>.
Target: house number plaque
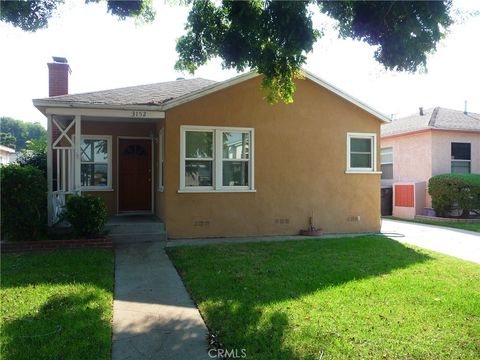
<point>139,114</point>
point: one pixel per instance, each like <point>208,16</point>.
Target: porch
<point>109,153</point>
<point>135,228</point>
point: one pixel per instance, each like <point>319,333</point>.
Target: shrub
<point>24,202</point>
<point>455,192</point>
<point>86,213</point>
<point>35,154</point>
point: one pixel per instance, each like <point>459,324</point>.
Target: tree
<point>35,154</point>
<point>8,140</point>
<point>274,37</point>
<point>33,15</point>
<point>22,131</point>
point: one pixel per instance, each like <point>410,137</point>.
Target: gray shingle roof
<point>435,118</point>
<point>152,94</point>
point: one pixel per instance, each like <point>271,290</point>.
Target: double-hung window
<point>95,163</point>
<point>461,155</point>
<point>386,156</point>
<point>216,159</point>
<point>361,152</point>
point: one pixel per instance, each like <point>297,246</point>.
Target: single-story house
<point>430,142</point>
<point>214,159</point>
<point>7,155</point>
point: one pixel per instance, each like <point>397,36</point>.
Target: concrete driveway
<point>462,244</point>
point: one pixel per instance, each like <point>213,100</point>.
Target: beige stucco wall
<point>412,157</point>
<point>300,163</point>
<point>441,150</point>
<point>116,129</point>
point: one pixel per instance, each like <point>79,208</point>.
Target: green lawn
<point>456,225</point>
<point>56,304</point>
<point>366,297</point>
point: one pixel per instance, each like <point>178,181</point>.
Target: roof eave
<point>43,104</point>
<point>209,89</point>
<point>346,96</point>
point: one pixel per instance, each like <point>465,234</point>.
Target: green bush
<point>86,213</point>
<point>24,202</point>
<point>35,154</point>
<point>455,192</point>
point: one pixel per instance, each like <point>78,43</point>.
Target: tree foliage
<point>274,37</point>
<point>33,15</point>
<point>8,140</point>
<point>35,154</point>
<point>22,131</point>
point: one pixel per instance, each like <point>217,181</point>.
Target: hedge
<point>451,192</point>
<point>24,202</point>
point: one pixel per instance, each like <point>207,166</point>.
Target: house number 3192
<point>139,113</point>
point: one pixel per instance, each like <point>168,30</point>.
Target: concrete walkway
<point>455,242</point>
<point>153,315</point>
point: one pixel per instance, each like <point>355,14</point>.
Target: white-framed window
<point>216,158</point>
<point>386,163</point>
<point>96,162</point>
<point>361,152</point>
<point>461,157</point>
<point>161,157</point>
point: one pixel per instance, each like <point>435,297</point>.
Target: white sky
<point>106,53</point>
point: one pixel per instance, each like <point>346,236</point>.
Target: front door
<point>135,175</point>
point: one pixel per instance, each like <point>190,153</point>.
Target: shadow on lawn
<point>58,267</point>
<point>65,327</point>
<point>71,288</point>
<point>244,278</point>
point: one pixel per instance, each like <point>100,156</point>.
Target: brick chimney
<point>58,72</point>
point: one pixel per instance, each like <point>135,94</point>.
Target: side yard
<point>366,297</point>
<point>56,304</point>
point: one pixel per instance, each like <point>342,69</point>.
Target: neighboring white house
<point>7,155</point>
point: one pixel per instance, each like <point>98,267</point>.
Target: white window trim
<point>161,158</point>
<point>461,160</point>
<point>217,160</point>
<point>387,162</point>
<point>371,170</point>
<point>109,163</point>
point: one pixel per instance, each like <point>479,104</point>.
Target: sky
<point>106,53</point>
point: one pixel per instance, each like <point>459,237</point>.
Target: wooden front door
<point>135,175</point>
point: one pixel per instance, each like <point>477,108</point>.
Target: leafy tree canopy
<point>21,131</point>
<point>274,37</point>
<point>32,15</point>
<point>8,140</point>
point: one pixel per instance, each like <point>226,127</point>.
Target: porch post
<point>49,171</point>
<point>78,130</point>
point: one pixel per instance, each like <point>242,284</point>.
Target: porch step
<point>138,238</point>
<point>133,229</point>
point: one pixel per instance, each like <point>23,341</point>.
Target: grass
<point>56,304</point>
<point>456,225</point>
<point>366,297</point>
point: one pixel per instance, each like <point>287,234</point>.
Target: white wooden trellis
<point>66,151</point>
